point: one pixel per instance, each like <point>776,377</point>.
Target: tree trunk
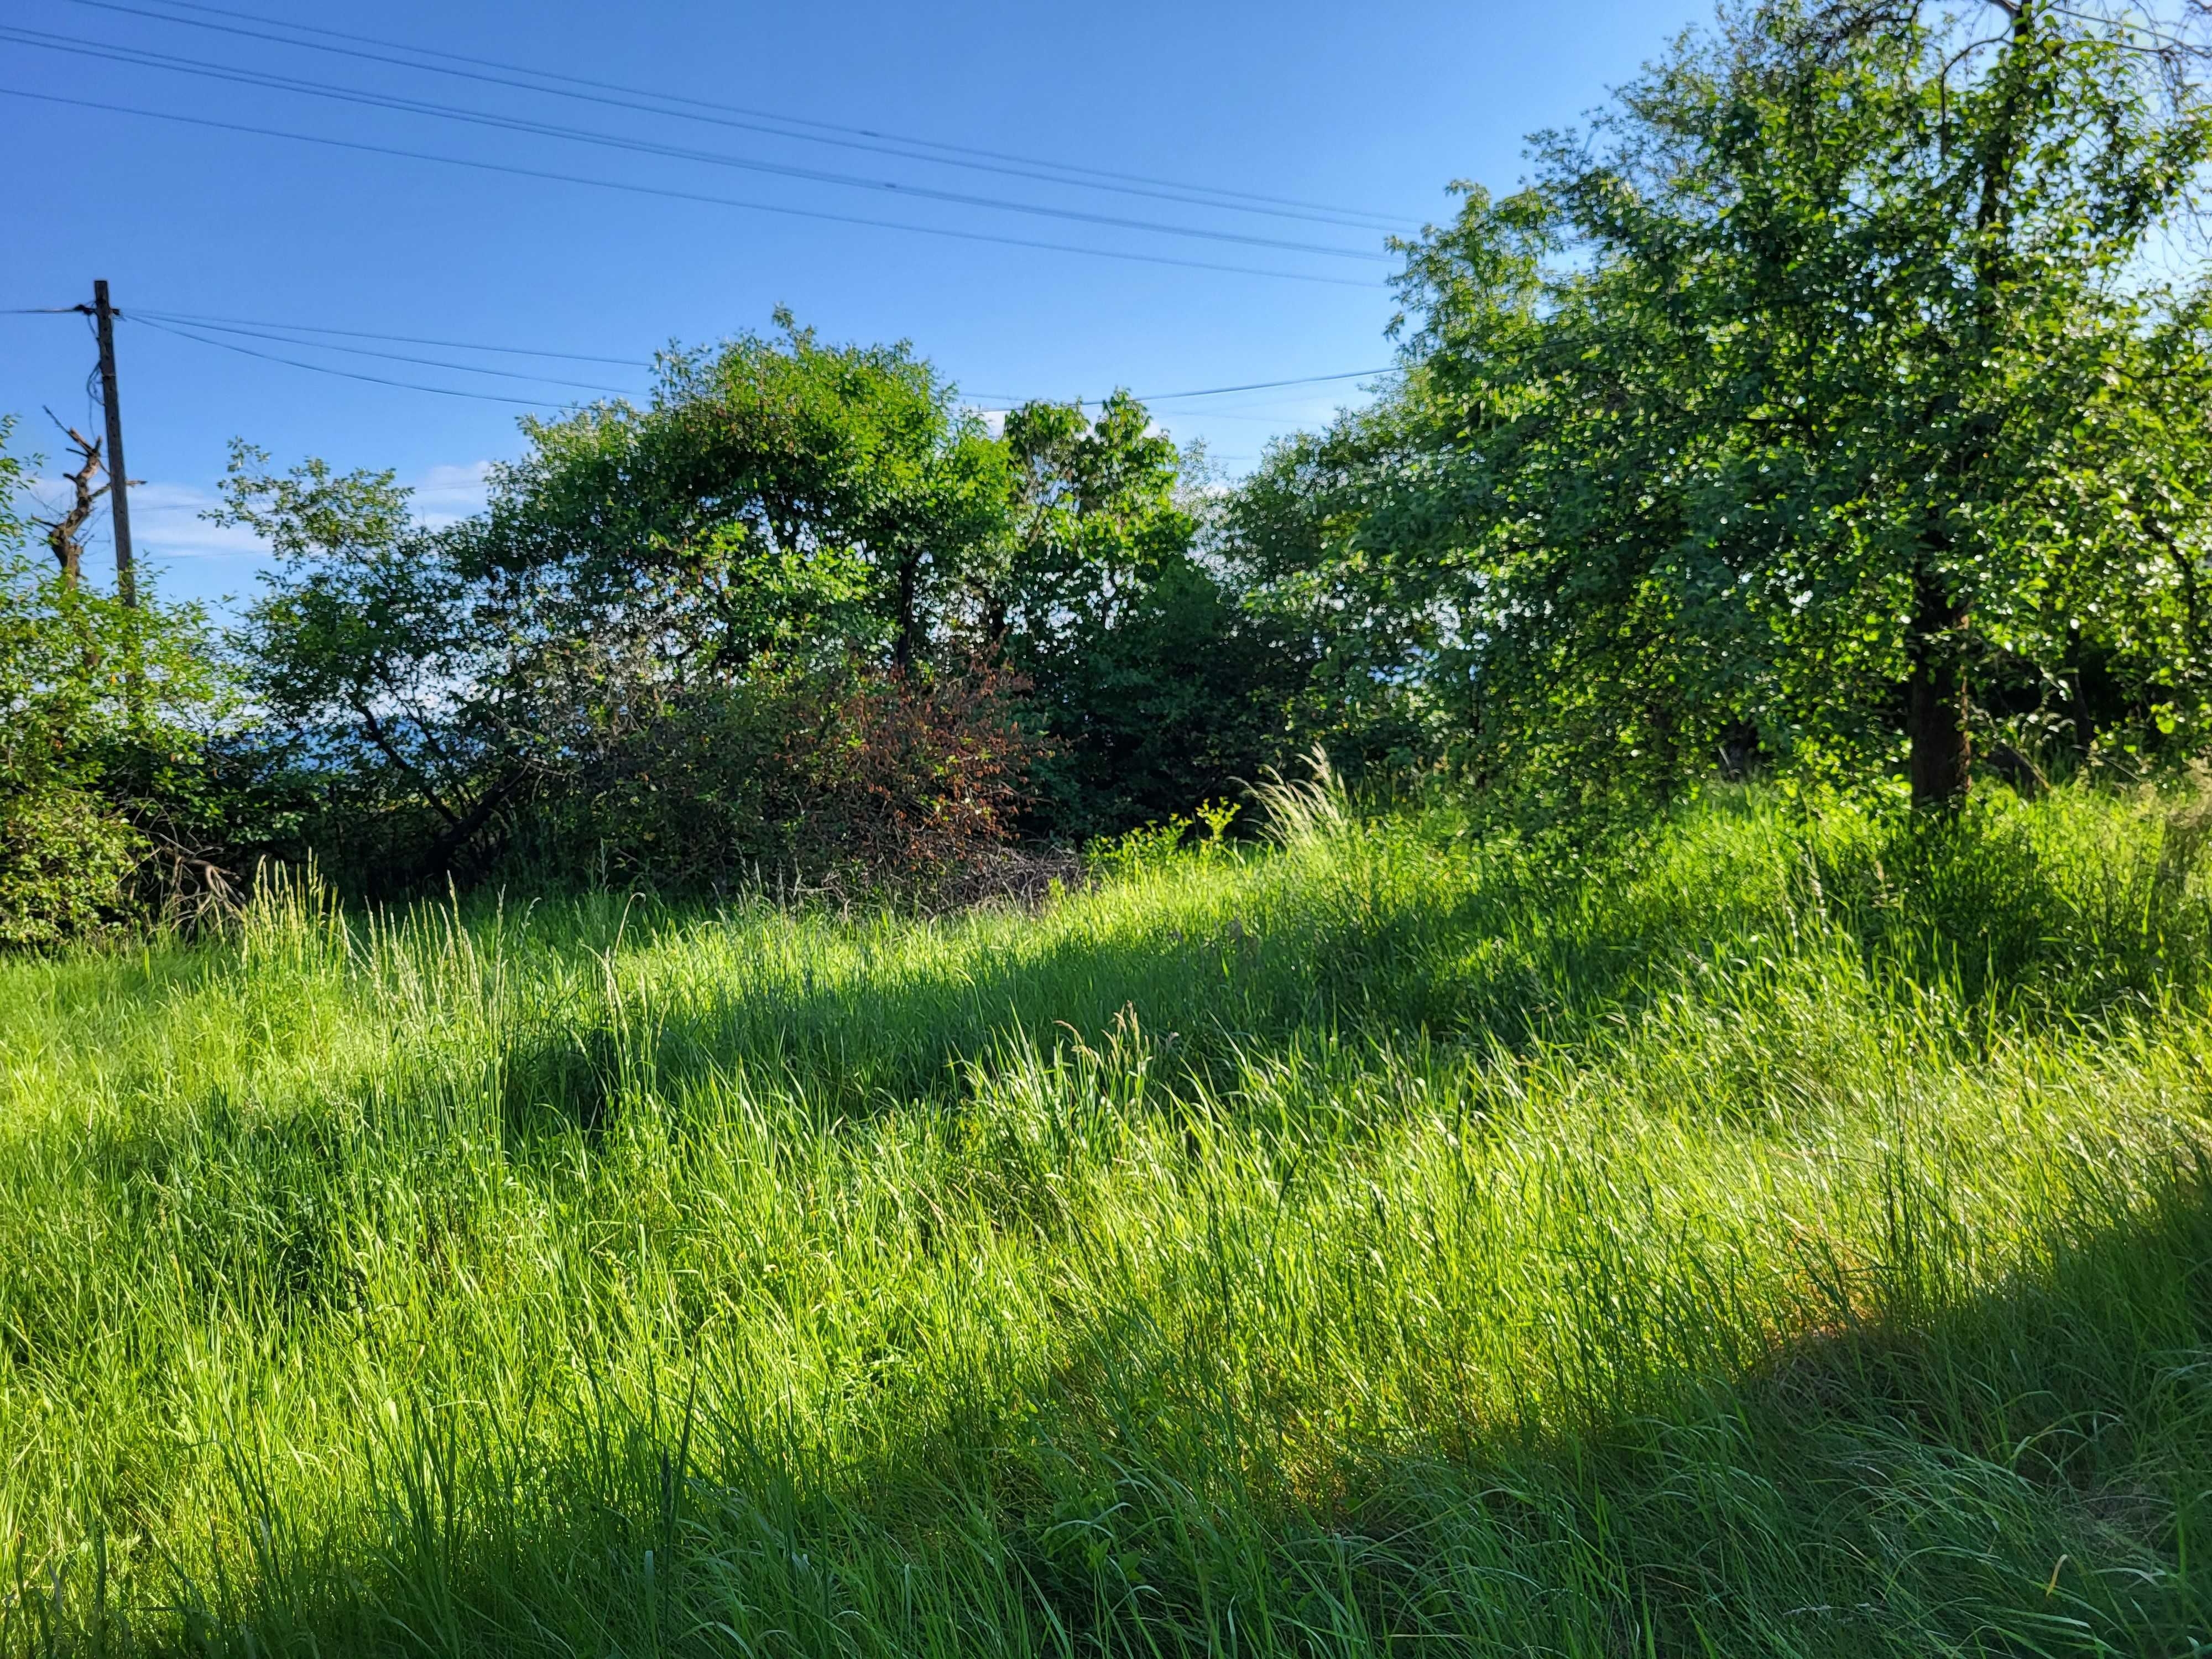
<point>1936,716</point>
<point>1941,750</point>
<point>907,646</point>
<point>61,533</point>
<point>442,850</point>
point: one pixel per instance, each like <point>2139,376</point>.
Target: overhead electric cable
<point>254,328</point>
<point>1265,386</point>
<point>827,132</point>
<point>249,325</point>
<point>1220,390</point>
<point>403,339</point>
<point>350,374</point>
<point>685,195</point>
<point>140,58</point>
<point>394,356</point>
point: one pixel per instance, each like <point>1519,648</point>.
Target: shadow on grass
<point>2019,1471</point>
<point>2022,1470</point>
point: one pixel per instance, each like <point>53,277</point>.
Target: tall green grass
<point>1796,1241</point>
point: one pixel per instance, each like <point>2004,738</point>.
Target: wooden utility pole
<point>118,497</point>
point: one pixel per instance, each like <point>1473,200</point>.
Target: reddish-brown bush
<point>906,778</point>
<point>854,780</point>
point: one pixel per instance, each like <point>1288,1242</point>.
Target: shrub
<point>67,861</point>
<point>906,780</point>
<point>856,781</point>
<point>106,712</point>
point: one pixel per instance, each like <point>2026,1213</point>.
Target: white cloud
<point>167,520</point>
<point>447,493</point>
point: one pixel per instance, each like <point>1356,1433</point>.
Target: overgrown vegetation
<point>1830,400</point>
<point>1796,1243</point>
<point>1661,1164</point>
<point>1832,410</point>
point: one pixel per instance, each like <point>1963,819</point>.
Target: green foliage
<point>635,664</point>
<point>851,782</point>
<point>1155,683</point>
<point>606,675</point>
<point>1158,845</point>
<point>1370,615</point>
<point>780,498</point>
<point>361,612</point>
<point>361,647</point>
<point>107,711</point>
<point>1818,404</point>
<point>11,484</point>
<point>67,863</point>
<point>1375,1246</point>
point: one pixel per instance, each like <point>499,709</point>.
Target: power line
<point>150,320</point>
<point>257,329</point>
<point>394,356</point>
<point>346,374</point>
<point>1222,390</point>
<point>686,194</point>
<point>253,330</point>
<point>401,339</point>
<point>141,59</point>
<point>740,117</point>
<point>1265,386</point>
<point>239,324</point>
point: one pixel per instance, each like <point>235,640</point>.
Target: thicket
<point>1829,410</point>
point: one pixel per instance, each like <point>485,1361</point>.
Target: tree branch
<point>458,837</point>
<point>386,747</point>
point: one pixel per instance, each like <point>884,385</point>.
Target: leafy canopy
<point>1821,399</point>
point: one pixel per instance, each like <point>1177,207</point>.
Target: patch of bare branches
<point>66,529</point>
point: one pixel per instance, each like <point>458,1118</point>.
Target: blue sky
<point>1370,108</point>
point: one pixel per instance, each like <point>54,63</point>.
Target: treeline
<point>800,616</point>
<point>1834,406</point>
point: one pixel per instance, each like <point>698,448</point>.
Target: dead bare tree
<point>63,530</point>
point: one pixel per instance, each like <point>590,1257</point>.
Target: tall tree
<point>362,636</point>
<point>645,586</point>
<point>1822,383</point>
<point>779,496</point>
<point>1373,615</point>
<point>1157,685</point>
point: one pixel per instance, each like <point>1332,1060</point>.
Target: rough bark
<point>63,532</point>
<point>1942,747</point>
<point>1940,758</point>
<point>907,646</point>
<point>413,774</point>
<point>455,838</point>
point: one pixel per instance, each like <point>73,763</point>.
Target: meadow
<point>1793,1238</point>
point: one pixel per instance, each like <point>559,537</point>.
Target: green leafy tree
<point>601,670</point>
<point>363,645</point>
<point>1156,684</point>
<point>1820,397</point>
<point>108,711</point>
<point>781,497</point>
<point>1370,615</point>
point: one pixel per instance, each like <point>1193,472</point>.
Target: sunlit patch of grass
<point>1797,1242</point>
